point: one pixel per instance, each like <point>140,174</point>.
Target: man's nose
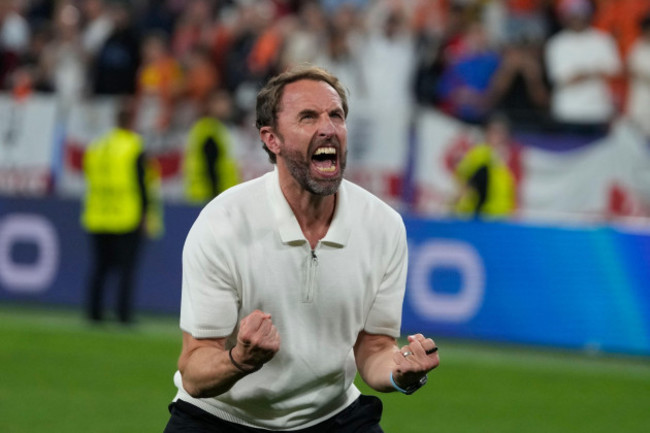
<point>326,127</point>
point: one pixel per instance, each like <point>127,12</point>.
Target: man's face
<point>312,136</point>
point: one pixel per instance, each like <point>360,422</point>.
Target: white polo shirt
<point>569,53</point>
<point>246,251</point>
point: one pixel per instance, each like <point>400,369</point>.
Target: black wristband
<point>239,366</point>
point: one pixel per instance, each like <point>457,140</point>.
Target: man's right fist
<point>258,341</point>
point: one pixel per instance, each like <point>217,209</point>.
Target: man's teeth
<point>325,151</point>
<point>329,169</point>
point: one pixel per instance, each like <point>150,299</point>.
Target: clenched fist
<point>415,360</point>
<point>258,341</point>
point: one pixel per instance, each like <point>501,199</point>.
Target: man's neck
<point>313,212</point>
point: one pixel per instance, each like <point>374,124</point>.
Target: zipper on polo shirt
<point>312,278</point>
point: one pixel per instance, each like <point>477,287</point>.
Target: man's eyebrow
<point>307,111</point>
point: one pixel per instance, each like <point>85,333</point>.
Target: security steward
<point>209,168</point>
<point>120,206</point>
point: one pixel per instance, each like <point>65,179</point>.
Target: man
<point>118,204</point>
<point>487,174</point>
<point>293,282</point>
<point>580,62</point>
<point>208,167</point>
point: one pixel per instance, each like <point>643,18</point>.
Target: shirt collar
<point>288,227</point>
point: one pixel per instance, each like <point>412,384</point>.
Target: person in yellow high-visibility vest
<point>120,205</point>
<point>488,188</point>
<point>209,168</point>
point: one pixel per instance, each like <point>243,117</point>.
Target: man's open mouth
<point>324,159</point>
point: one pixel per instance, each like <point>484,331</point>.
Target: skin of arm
<point>205,367</point>
<point>205,364</point>
<point>378,356</point>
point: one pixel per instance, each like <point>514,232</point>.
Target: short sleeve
<point>209,300</point>
<point>385,316</point>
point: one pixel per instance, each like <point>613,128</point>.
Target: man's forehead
<point>310,94</point>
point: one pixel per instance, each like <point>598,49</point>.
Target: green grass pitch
<point>60,375</point>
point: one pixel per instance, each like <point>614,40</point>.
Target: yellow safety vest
<point>501,189</point>
<point>112,202</point>
<point>198,188</point>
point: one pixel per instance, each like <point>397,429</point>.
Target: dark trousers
<point>362,416</point>
<point>113,253</point>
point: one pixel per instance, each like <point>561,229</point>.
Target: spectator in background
<point>159,84</point>
<point>308,35</point>
<point>488,174</point>
<point>32,68</point>
<point>209,168</point>
<point>620,18</point>
<point>389,40</point>
<point>64,59</point>
<point>388,60</point>
<point>519,87</point>
<point>201,76</point>
<point>116,63</point>
<point>581,60</point>
<point>439,27</point>
<point>266,53</point>
<point>119,205</point>
<point>526,20</point>
<point>192,28</point>
<point>466,76</point>
<point>249,23</point>
<point>341,55</point>
<point>339,58</point>
<point>221,37</point>
<point>14,37</point>
<point>638,62</point>
<point>98,26</point>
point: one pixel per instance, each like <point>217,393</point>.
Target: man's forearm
<point>374,357</point>
<point>377,369</point>
<point>208,372</point>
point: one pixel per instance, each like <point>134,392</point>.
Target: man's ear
<point>271,139</point>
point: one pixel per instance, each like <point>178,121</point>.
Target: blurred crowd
<point>539,62</point>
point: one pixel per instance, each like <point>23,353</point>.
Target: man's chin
<point>324,187</point>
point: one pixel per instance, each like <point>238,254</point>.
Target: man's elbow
<point>195,390</point>
<point>377,384</point>
<point>192,387</point>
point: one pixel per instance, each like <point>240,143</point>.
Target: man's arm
<point>377,357</point>
<point>208,369</point>
<point>205,367</point>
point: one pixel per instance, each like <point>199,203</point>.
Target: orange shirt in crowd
<point>621,19</point>
<point>201,79</point>
<point>266,50</point>
<point>162,78</point>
